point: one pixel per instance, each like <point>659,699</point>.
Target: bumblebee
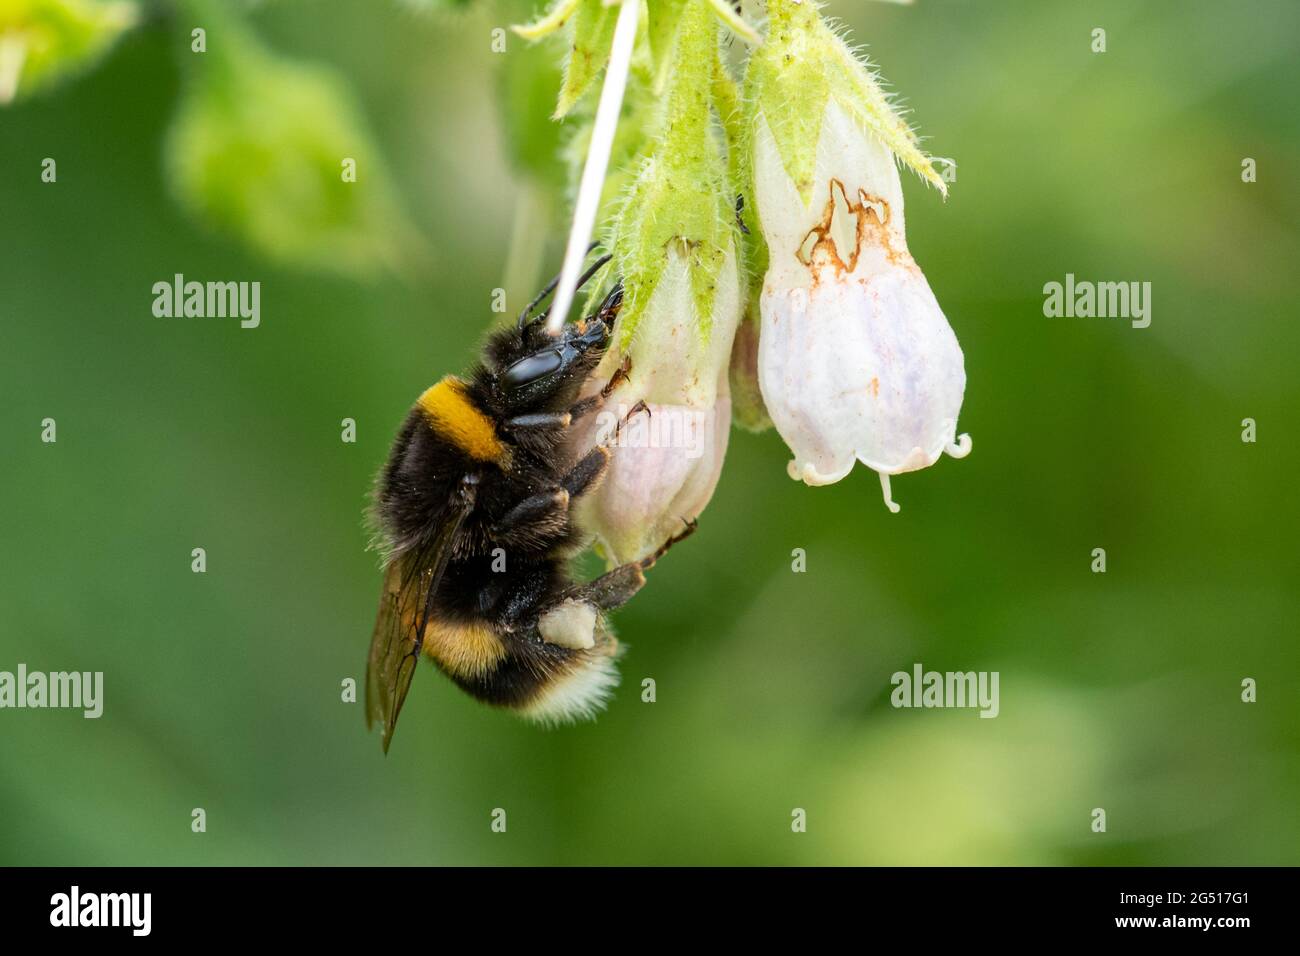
<point>472,510</point>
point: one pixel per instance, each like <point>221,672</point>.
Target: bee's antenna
<point>550,287</point>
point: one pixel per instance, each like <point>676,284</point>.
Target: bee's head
<point>534,369</point>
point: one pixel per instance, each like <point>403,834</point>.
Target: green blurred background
<point>1118,690</point>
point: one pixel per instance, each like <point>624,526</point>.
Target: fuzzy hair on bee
<point>472,513</point>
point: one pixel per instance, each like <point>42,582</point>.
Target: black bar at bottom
<point>337,905</point>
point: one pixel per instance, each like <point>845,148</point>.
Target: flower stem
<point>597,164</point>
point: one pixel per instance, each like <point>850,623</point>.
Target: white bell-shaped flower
<point>856,359</point>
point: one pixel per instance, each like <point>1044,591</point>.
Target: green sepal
<point>661,29</point>
<point>857,89</point>
<point>786,82</point>
<point>555,18</point>
<point>792,76</point>
<point>680,195</point>
<point>593,35</point>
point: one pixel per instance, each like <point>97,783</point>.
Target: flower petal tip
<point>807,473</point>
<point>961,447</point>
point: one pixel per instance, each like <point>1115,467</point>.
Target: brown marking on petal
<point>872,215</point>
<point>872,229</point>
<point>875,387</point>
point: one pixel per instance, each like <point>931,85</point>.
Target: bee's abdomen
<point>487,641</point>
<point>547,683</point>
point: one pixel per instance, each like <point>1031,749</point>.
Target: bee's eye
<point>531,368</point>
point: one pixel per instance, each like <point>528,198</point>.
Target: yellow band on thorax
<point>453,416</point>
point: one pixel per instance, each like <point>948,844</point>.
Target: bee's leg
<point>540,513</point>
<point>544,420</point>
<point>649,561</point>
<point>547,511</point>
<point>612,589</point>
<point>584,475</point>
<point>621,375</point>
<point>615,588</point>
<point>571,621</point>
<point>602,433</point>
<point>592,402</point>
<point>636,409</point>
<point>539,421</point>
<point>553,420</point>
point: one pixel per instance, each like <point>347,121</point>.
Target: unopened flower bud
<point>677,255</point>
<point>668,424</point>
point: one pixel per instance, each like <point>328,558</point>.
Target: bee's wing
<point>409,583</point>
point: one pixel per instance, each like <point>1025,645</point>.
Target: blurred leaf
<point>44,41</point>
<point>437,6</point>
<point>259,149</point>
<point>527,82</point>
